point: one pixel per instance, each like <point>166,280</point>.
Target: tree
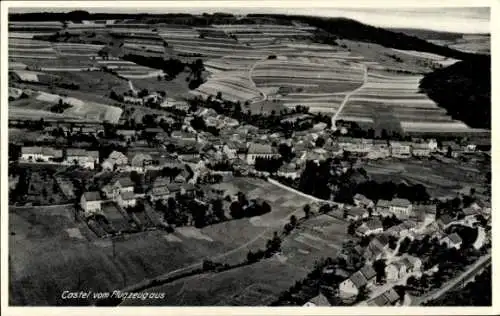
<point>320,142</point>
<point>293,220</point>
<point>351,229</point>
<point>217,209</point>
<point>307,211</point>
<point>379,267</point>
<point>236,210</point>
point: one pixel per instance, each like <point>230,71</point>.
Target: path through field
<point>250,72</point>
<point>344,102</point>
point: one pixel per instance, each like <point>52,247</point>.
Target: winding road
<point>344,102</point>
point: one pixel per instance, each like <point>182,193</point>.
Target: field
<point>138,256</point>
<point>392,100</point>
<point>440,178</point>
<point>39,104</point>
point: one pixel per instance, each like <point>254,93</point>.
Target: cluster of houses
<point>70,156</point>
<point>417,221</point>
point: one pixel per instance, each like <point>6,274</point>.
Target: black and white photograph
<point>247,155</point>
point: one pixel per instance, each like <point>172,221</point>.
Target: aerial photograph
<point>319,157</point>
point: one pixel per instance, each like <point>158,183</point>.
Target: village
<point>171,172</point>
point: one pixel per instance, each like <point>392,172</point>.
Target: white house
<point>40,153</point>
<point>82,157</point>
<point>90,202</point>
<point>400,150</point>
<point>126,199</point>
<point>420,150</point>
<point>396,270</point>
<point>402,208</point>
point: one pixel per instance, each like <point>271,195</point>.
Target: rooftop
<point>92,196</point>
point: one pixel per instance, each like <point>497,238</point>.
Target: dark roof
<point>380,300</point>
<point>400,202</point>
<point>320,300</point>
<point>128,195</point>
<point>358,279</point>
<point>368,272</point>
<point>356,211</point>
<point>446,219</point>
<point>125,182</point>
<point>392,296</point>
<point>455,238</point>
<point>92,196</point>
<point>374,224</point>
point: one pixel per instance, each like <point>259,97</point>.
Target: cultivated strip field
<point>398,95</point>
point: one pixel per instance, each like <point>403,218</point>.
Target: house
<point>452,241</point>
<point>188,189</point>
<point>380,150</point>
<point>356,213</point>
<point>388,298</point>
<point>420,150</point>
<point>400,149</point>
<point>374,226</point>
<point>289,171</point>
<point>400,207</point>
<point>126,199</point>
<point>139,161</point>
<point>319,300</point>
<point>383,208</point>
<point>396,231</point>
<point>355,145</point>
<point>424,213</point>
<point>40,154</point>
<point>414,264</point>
<point>127,134</point>
<point>409,225</point>
<point>120,186</point>
<point>256,150</point>
<point>90,202</point>
<point>351,286</point>
<point>82,157</point>
<point>184,136</point>
<point>377,248</point>
<point>445,221</point>
<point>396,270</point>
<point>432,144</point>
<point>362,201</point>
<point>115,159</point>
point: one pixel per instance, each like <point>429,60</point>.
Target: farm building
<point>402,208</point>
<point>82,157</point>
<point>289,171</point>
<point>370,227</point>
<point>445,221</point>
<point>120,186</point>
<point>91,202</point>
<point>42,154</point>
